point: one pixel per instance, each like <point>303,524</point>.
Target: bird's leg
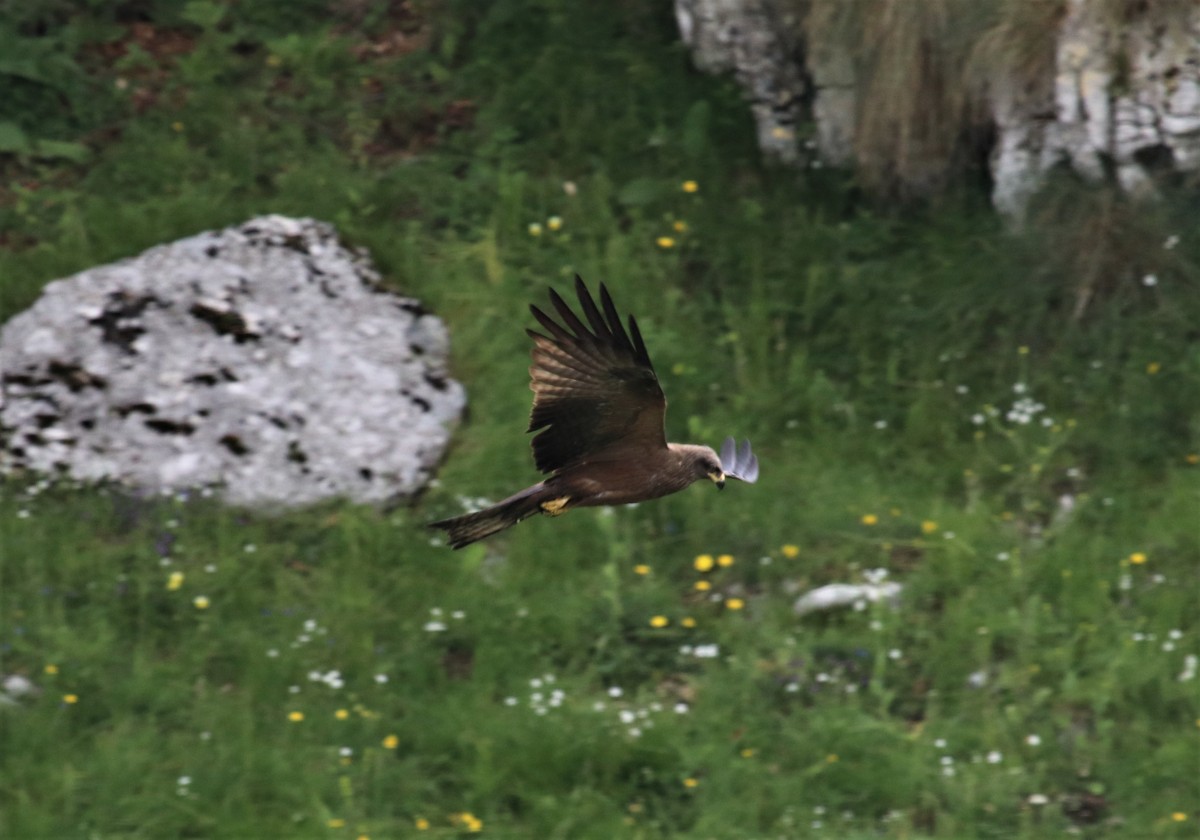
<point>555,507</point>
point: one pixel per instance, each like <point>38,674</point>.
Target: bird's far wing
<point>594,388</point>
<point>738,461</point>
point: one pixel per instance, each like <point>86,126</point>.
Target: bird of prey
<point>599,412</point>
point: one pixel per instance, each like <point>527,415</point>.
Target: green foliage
<point>1005,423</point>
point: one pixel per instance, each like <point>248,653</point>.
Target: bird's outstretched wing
<point>738,461</point>
<point>595,394</point>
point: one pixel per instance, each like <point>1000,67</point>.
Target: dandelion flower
<point>1179,816</point>
<point>748,752</point>
<point>336,822</point>
<point>725,561</point>
<point>1023,350</point>
<point>468,821</point>
<point>690,187</point>
<point>50,669</point>
<point>702,586</point>
<point>175,581</point>
<point>690,782</point>
<point>703,562</point>
<point>832,758</point>
<point>295,716</point>
<point>201,602</point>
<point>421,824</point>
<point>688,621</point>
<point>1192,458</point>
<point>735,603</point>
<point>790,551</point>
<point>680,226</point>
<point>928,526</point>
<point>70,699</point>
<point>869,519</point>
<point>665,242</point>
<point>641,569</point>
<point>177,126</point>
<point>1137,558</point>
<point>554,223</point>
<point>1153,368</point>
<point>535,229</point>
<point>659,621</point>
<point>391,742</point>
<point>341,714</point>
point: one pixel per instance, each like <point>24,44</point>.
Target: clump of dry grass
<point>923,72</point>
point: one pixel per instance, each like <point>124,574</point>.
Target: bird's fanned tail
<point>471,527</point>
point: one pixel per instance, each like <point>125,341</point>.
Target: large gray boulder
<point>262,360</point>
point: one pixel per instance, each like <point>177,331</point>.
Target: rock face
<point>1123,97</point>
<point>747,37</point>
<point>1119,96</point>
<point>261,359</point>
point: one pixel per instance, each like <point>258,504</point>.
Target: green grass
<point>871,354</point>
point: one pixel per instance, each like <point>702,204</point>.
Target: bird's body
<point>599,411</point>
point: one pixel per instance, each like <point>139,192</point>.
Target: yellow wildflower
<point>659,621</point>
<point>725,561</point>
<point>690,782</point>
<point>928,526</point>
<point>51,669</point>
<point>790,551</point>
<point>295,717</point>
<point>688,621</point>
<point>554,222</point>
<point>690,186</point>
<point>703,562</point>
<point>1153,368</point>
<point>535,229</point>
<point>70,699</point>
<point>201,602</point>
<point>735,603</point>
<point>869,519</point>
<point>748,752</point>
<point>421,824</point>
<point>641,569</point>
<point>468,820</point>
<point>341,714</point>
<point>665,242</point>
<point>832,758</point>
<point>680,226</point>
<point>1179,816</point>
<point>702,586</point>
<point>391,742</point>
<point>177,126</point>
<point>175,581</point>
<point>1137,558</point>
<point>1023,350</point>
<point>1192,458</point>
<point>336,822</point>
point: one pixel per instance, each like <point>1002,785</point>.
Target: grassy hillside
<point>1008,424</point>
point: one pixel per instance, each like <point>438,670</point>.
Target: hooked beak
<point>718,478</point>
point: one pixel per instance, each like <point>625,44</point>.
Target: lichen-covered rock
<point>1119,97</point>
<point>752,39</point>
<point>261,359</point>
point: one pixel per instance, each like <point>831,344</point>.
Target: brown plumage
<point>599,412</point>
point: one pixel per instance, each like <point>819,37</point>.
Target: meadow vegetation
<point>1006,423</point>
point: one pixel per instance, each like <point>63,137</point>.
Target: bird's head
<point>703,463</point>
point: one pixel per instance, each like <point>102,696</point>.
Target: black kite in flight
<point>601,414</point>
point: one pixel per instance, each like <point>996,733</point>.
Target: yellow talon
<point>555,507</point>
